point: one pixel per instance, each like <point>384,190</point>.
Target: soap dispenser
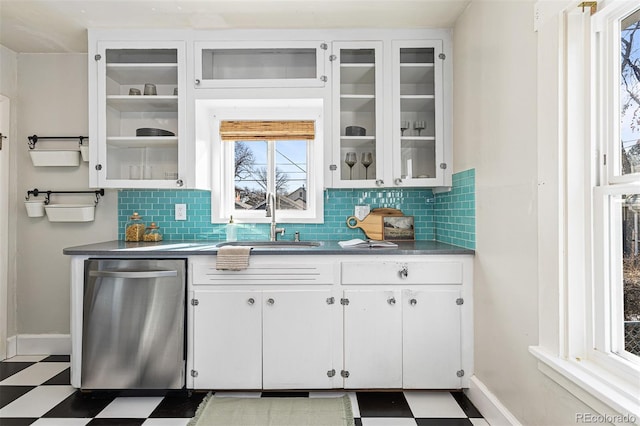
<point>231,230</point>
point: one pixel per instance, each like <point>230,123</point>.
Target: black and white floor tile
<point>35,390</point>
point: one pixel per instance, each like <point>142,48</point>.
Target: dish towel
<point>232,258</point>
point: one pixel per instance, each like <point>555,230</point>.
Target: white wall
<point>52,101</point>
<point>496,121</point>
<point>9,88</point>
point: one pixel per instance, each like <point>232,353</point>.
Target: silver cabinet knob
<point>404,272</point>
<point>179,183</point>
<point>251,301</point>
<point>270,301</point>
<point>197,81</point>
<point>379,182</point>
<point>391,300</point>
<point>413,302</point>
<point>398,181</point>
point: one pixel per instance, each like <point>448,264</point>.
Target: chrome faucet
<point>271,212</point>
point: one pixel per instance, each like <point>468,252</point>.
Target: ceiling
<point>59,26</point>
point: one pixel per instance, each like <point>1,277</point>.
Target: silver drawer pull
<point>413,302</point>
<point>251,301</point>
<point>133,274</point>
<point>404,272</point>
<point>391,300</point>
<point>270,301</point>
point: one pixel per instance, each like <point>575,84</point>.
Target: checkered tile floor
<point>36,391</point>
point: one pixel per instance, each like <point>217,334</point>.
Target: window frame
<point>222,160</point>
<point>582,359</point>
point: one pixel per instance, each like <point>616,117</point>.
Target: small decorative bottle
<point>153,233</point>
<point>134,229</point>
<point>231,230</point>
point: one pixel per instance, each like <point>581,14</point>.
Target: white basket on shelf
<point>54,157</point>
<point>34,208</point>
<point>70,212</point>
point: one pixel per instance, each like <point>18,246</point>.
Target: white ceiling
<point>57,26</point>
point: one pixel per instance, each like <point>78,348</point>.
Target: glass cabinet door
<point>418,114</point>
<point>357,103</point>
<point>260,64</point>
<point>139,115</point>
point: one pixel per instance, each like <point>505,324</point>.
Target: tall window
<point>617,192</point>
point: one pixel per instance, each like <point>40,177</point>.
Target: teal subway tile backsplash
<point>429,213</point>
<point>455,212</point>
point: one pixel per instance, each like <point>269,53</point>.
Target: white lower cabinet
<point>297,339</point>
<point>365,322</point>
<point>227,340</point>
<point>372,339</point>
<point>431,349</point>
<point>263,339</point>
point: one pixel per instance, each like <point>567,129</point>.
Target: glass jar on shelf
<point>134,229</point>
<point>153,233</point>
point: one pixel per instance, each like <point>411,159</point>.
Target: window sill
<point>596,387</point>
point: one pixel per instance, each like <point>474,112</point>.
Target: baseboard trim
<point>489,405</point>
<point>12,346</point>
<point>43,344</point>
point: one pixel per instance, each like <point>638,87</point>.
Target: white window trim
<point>608,383</point>
<point>209,114</point>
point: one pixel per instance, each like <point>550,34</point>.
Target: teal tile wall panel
<point>455,211</point>
<point>447,217</point>
<point>158,206</point>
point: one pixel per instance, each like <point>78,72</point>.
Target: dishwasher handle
<point>133,274</point>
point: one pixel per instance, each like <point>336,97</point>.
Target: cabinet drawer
<point>272,274</point>
<point>394,273</point>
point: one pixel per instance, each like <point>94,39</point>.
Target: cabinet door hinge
<point>344,373</point>
<point>459,301</point>
<point>195,302</point>
<point>331,300</point>
<point>331,373</point>
<point>460,373</point>
<point>344,301</point>
<point>1,137</point>
<point>604,159</point>
<point>97,57</point>
<point>194,373</point>
<point>324,46</point>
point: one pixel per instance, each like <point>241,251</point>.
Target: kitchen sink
<point>271,244</point>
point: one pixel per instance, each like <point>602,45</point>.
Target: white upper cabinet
<point>396,94</point>
<point>242,64</point>
<point>357,99</point>
<point>418,114</point>
<point>136,110</point>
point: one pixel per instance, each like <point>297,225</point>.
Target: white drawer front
<point>401,272</point>
<point>207,274</point>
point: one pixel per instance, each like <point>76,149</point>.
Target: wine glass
<point>404,125</point>
<point>367,160</point>
<point>351,159</point>
<point>419,126</point>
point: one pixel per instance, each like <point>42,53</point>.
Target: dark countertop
<point>190,248</point>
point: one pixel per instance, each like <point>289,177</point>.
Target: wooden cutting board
<point>372,223</point>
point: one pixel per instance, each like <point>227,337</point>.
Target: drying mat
<point>223,411</point>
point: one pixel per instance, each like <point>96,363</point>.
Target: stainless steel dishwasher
<point>133,332</point>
